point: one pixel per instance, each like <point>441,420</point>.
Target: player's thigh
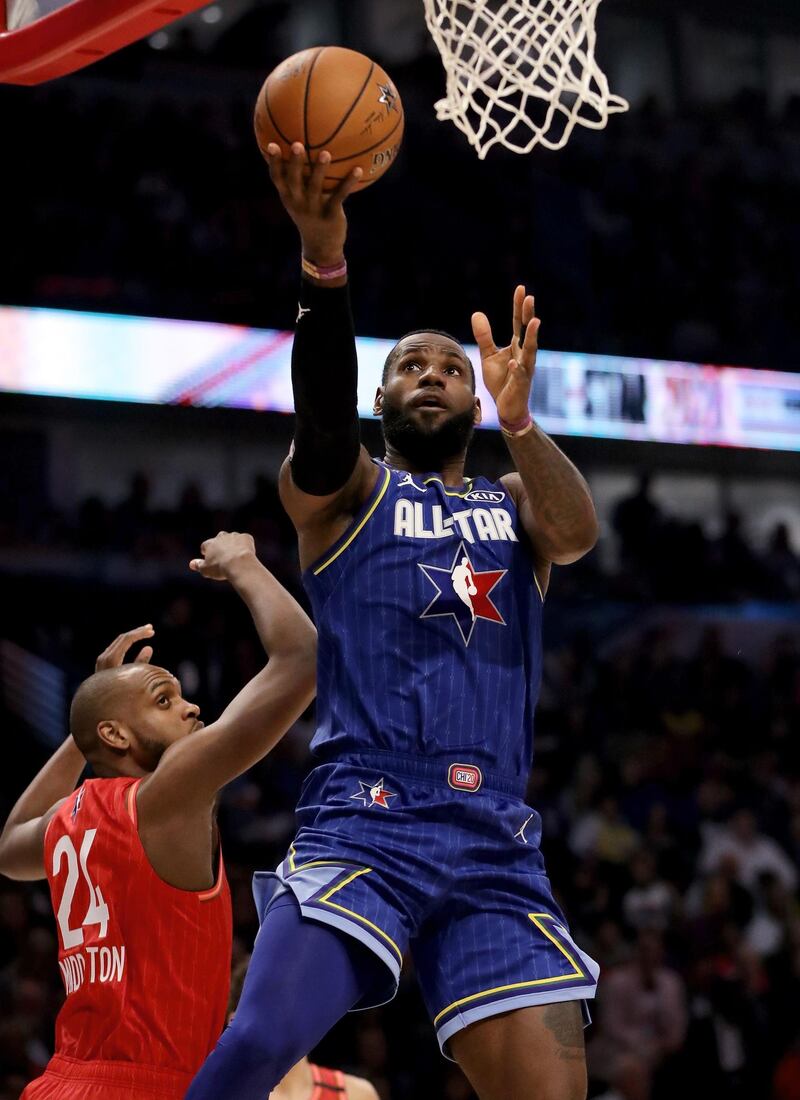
<point>498,945</point>
<point>534,1053</point>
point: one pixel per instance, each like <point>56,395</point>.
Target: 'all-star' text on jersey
<point>429,621</point>
<point>146,966</point>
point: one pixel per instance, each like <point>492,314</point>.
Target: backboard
<point>43,39</point>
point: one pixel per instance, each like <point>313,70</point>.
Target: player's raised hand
<point>114,655</point>
<point>223,554</point>
<point>508,371</point>
<point>318,215</point>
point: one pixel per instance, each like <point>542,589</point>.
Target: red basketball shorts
<point>71,1079</point>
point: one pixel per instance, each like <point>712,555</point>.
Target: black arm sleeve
<point>325,383</point>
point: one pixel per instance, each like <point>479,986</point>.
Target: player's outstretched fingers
<point>530,343</point>
<point>294,172</point>
<point>144,656</point>
<point>114,654</point>
<point>518,320</point>
<point>316,180</point>
<point>277,167</point>
<point>482,331</point>
<point>346,187</point>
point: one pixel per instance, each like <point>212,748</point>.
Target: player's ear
<point>477,412</point>
<point>377,408</point>
<point>113,734</point>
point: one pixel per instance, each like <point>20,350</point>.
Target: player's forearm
<point>562,506</point>
<point>325,384</point>
<point>267,706</point>
<point>282,625</point>
<point>56,780</point>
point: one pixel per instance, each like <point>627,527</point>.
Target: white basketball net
<point>520,72</point>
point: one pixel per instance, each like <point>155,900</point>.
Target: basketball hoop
<point>43,39</point>
<point>520,72</point>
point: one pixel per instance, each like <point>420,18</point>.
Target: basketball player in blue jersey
<point>427,589</point>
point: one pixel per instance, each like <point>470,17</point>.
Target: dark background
<point>668,760</point>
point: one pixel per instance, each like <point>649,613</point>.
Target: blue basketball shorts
<point>443,859</point>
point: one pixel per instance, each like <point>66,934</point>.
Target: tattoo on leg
<point>564,1021</point>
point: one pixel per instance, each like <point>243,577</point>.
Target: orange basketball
<point>335,99</point>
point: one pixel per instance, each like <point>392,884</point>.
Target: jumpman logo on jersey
<point>376,792</point>
<point>77,804</point>
<point>463,593</point>
<point>520,833</point>
<point>301,312</point>
<point>408,480</point>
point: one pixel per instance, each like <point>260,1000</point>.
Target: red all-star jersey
<point>329,1084</point>
<point>146,966</point>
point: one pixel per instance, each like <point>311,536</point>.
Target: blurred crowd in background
<point>657,554</point>
<point>668,760</point>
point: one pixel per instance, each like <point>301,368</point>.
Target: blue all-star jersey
<point>429,620</point>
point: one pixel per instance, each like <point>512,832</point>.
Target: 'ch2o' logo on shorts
<point>464,777</point>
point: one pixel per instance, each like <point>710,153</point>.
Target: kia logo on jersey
<point>464,777</point>
<point>485,496</point>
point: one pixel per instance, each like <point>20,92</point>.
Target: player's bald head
<point>102,697</point>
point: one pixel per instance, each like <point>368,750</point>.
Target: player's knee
<point>559,1086</point>
<point>568,1084</point>
<point>264,1048</point>
<point>578,1090</point>
<point>563,1081</point>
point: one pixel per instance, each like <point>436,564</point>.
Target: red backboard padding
<point>82,32</point>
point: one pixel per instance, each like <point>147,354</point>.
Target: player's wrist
<point>323,254</point>
<point>515,425</point>
<point>240,566</point>
<point>324,273</point>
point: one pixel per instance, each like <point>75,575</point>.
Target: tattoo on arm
<point>566,1025</point>
<point>557,494</point>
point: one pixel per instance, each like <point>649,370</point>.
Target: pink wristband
<point>333,271</point>
<point>516,427</point>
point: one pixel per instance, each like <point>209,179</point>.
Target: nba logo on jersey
<point>375,792</point>
<point>463,592</point>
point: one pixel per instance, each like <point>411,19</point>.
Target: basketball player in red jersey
<point>132,857</point>
<point>305,1081</point>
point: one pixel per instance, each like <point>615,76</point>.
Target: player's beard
<point>151,751</point>
<point>427,448</point>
